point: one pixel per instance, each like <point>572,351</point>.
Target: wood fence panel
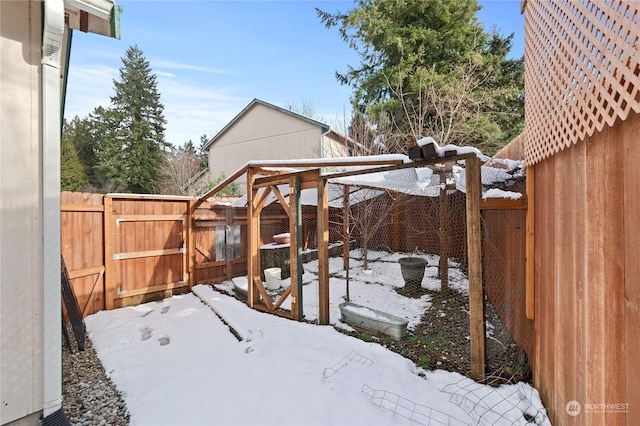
<point>149,247</point>
<point>610,307</point>
<point>210,230</point>
<point>631,295</point>
<point>567,257</point>
<point>544,363</point>
<point>81,232</point>
<point>585,280</point>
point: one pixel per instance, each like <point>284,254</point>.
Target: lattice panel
<point>581,70</point>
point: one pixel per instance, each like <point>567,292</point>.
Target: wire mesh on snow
<point>403,407</point>
<point>351,358</point>
<point>492,406</point>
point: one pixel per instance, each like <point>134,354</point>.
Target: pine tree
<point>86,136</point>
<point>409,48</point>
<point>72,176</point>
<point>133,145</point>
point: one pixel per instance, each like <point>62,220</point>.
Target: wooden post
<point>109,264</point>
<point>253,237</point>
<point>474,251</point>
<point>191,242</point>
<point>323,251</point>
<point>530,245</point>
<point>345,227</point>
<point>295,252</point>
<point>444,241</point>
<point>346,232</point>
<point>228,255</point>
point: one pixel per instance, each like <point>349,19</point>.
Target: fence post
<point>530,245</point>
<point>109,265</point>
<point>476,293</point>
<point>191,242</point>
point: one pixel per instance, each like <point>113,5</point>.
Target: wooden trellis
<point>582,71</point>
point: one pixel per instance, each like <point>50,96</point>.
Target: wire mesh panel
<point>510,334</point>
<point>399,267</point>
<point>405,282</point>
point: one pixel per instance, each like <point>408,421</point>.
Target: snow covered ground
<point>374,287</point>
<point>177,363</point>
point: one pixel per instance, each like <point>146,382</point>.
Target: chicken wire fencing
<point>401,278</point>
<point>398,265</point>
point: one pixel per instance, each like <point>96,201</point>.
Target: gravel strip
<point>89,396</point>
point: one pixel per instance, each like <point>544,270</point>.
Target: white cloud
<point>193,108</point>
<point>87,88</point>
<point>164,74</point>
<point>159,63</point>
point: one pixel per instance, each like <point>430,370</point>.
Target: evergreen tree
<point>202,154</point>
<point>86,136</point>
<point>72,177</point>
<point>133,143</point>
<point>411,47</point>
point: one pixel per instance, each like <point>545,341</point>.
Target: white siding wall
<point>263,134</point>
<point>334,148</point>
<point>21,257</point>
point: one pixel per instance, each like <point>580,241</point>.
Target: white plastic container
<point>273,278</point>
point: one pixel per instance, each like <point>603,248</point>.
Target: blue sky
<point>213,57</point>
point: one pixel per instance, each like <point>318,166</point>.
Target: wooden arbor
<point>258,191</point>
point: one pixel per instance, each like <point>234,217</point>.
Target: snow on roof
<point>305,162</point>
<point>418,181</point>
<point>451,147</point>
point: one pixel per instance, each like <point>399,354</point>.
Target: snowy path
<point>184,367</point>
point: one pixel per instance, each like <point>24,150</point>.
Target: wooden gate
<point>218,248</point>
<point>146,242</point>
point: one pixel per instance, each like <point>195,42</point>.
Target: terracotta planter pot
<point>282,238</point>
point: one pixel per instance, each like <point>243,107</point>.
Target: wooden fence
<point>582,120</point>
<point>587,297</point>
<point>124,249</point>
<point>82,237</point>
